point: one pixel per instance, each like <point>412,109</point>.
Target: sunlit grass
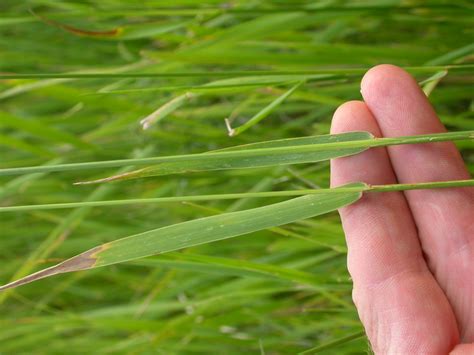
<point>281,290</point>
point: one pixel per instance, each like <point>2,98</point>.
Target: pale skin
<point>411,254</point>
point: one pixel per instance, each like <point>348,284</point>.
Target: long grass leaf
<point>464,68</point>
<point>279,152</point>
<point>282,152</point>
<point>246,195</point>
<point>196,232</point>
<point>263,154</point>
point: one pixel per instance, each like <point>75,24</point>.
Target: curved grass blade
<point>197,232</point>
<point>214,161</point>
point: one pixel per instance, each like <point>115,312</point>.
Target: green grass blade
<point>263,154</point>
<point>465,68</point>
<point>246,195</point>
<point>279,152</point>
<point>334,343</point>
<point>219,87</point>
<point>430,84</point>
<point>264,112</point>
<point>147,30</point>
<point>197,232</point>
<point>234,267</point>
<point>19,144</point>
<point>315,148</point>
<point>42,130</point>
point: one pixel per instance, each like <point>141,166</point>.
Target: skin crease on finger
<point>403,307</point>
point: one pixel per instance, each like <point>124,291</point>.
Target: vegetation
<point>96,89</point>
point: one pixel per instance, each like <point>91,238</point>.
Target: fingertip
<point>353,116</point>
<point>383,79</point>
<point>397,102</point>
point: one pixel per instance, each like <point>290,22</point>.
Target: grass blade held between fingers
<point>279,152</point>
<point>199,231</point>
<point>239,153</point>
<point>272,153</point>
<point>287,193</point>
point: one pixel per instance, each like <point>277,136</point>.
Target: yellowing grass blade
<point>199,231</point>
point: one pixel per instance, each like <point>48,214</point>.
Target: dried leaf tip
<point>82,261</point>
<point>123,176</point>
<point>230,130</point>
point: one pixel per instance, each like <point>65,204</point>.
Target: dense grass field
<point>282,290</point>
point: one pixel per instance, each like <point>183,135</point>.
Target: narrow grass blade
<point>453,56</point>
<point>264,112</point>
<point>199,231</point>
<point>334,343</point>
<point>219,87</point>
<point>464,68</point>
<point>252,156</point>
<point>213,264</point>
<point>246,195</point>
<point>279,152</point>
<point>430,84</point>
<point>19,144</point>
<point>166,109</point>
<point>42,130</point>
<point>147,30</point>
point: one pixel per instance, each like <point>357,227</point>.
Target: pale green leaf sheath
<point>199,231</point>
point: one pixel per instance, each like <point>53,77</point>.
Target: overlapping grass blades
<point>280,290</point>
<point>196,232</point>
<point>280,152</point>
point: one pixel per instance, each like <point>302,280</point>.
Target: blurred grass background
<point>245,295</point>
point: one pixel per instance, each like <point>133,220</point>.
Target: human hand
<point>411,254</point>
